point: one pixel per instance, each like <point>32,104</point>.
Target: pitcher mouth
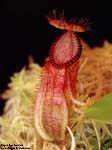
<point>68,62</point>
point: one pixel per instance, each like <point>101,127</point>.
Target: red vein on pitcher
<point>58,84</point>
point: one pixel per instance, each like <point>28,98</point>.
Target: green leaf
<point>101,111</point>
